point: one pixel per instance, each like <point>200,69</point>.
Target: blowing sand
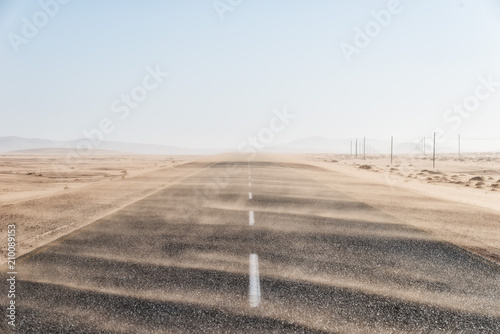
<point>46,198</point>
<point>24,177</point>
<point>458,201</point>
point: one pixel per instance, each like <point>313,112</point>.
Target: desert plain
<point>458,201</point>
<point>316,243</point>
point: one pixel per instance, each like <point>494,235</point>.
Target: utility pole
<point>424,145</point>
<point>351,149</point>
<point>364,148</point>
<point>392,145</point>
<point>459,144</point>
<point>434,152</point>
<point>356,148</point>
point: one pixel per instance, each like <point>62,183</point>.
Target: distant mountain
<point>16,145</point>
<point>62,151</point>
<point>19,145</point>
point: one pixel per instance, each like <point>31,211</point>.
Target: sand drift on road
<point>273,245</point>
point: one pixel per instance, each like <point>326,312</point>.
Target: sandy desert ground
<point>47,198</point>
<point>281,244</point>
<point>340,245</point>
<point>458,201</point>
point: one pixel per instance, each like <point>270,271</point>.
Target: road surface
<point>257,247</point>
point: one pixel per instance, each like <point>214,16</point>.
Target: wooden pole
<point>356,148</point>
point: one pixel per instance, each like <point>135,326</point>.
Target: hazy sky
<point>227,75</point>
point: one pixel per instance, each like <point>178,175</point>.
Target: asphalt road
<point>255,247</point>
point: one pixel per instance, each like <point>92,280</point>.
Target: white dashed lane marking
<point>254,289</point>
<point>251,219</point>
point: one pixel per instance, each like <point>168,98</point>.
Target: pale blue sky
<point>226,76</point>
